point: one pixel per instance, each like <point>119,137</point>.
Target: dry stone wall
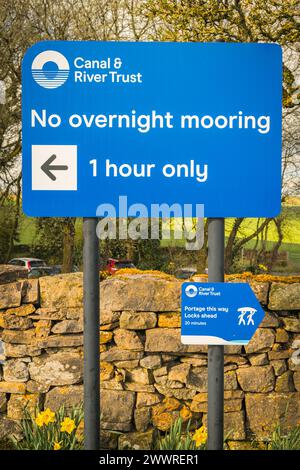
<point>148,378</point>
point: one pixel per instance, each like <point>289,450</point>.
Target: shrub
<point>178,439</point>
<point>48,430</point>
<point>6,444</point>
<point>287,441</point>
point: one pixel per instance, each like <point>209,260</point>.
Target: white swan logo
<point>191,291</point>
<point>50,69</point>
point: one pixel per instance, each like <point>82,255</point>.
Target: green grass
<point>291,231</point>
<point>291,240</point>
<point>285,440</point>
<point>291,227</point>
<point>293,249</point>
<point>27,230</point>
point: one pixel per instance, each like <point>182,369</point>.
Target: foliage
<point>178,439</point>
<point>78,243</point>
<point>149,255</point>
<point>151,272</point>
<point>112,249</point>
<point>239,266</point>
<point>24,23</point>
<point>47,430</point>
<point>104,275</point>
<point>6,444</point>
<point>54,241</point>
<point>285,441</point>
<point>246,275</point>
<point>269,21</point>
<point>145,254</point>
<point>48,242</point>
<point>230,21</point>
<point>6,231</point>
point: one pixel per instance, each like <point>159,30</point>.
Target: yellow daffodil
<point>48,416</point>
<point>39,420</point>
<point>45,417</point>
<point>67,425</point>
<point>200,436</point>
<point>57,445</point>
<point>263,267</point>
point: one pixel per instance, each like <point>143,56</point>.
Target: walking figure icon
<point>247,312</point>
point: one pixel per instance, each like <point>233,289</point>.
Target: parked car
<point>40,272</point>
<point>57,269</point>
<point>114,265</point>
<point>28,263</point>
<point>185,273</point>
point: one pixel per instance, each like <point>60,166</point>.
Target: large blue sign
<point>186,123</point>
<point>219,313</point>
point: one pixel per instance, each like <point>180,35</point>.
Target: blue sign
<point>159,123</point>
<point>219,313</point>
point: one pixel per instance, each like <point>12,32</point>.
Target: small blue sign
<point>219,313</point>
<point>159,123</point>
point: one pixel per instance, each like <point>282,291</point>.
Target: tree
<point>68,244</point>
<point>7,226</point>
<point>23,23</point>
<point>10,134</point>
<point>243,21</point>
<point>48,243</point>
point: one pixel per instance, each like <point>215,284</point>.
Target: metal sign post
<point>91,377</point>
<point>217,313</point>
<point>215,425</point>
